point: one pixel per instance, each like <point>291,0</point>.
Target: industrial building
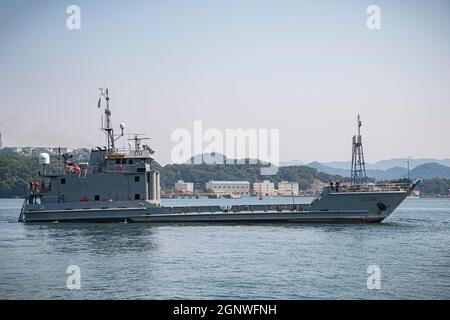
<point>286,188</point>
<point>266,188</point>
<point>229,187</point>
<point>184,187</point>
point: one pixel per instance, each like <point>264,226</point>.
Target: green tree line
<point>199,174</point>
<point>15,166</point>
<point>435,187</point>
<point>11,168</point>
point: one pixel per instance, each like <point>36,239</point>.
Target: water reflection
<point>95,238</point>
<point>241,261</point>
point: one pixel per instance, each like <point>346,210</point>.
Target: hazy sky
<point>304,67</point>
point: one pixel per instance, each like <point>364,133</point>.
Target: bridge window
<point>63,180</point>
<point>130,161</point>
<point>136,179</point>
<point>137,196</point>
<point>124,161</point>
<point>117,161</point>
<point>96,197</point>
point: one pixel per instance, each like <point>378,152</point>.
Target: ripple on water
<point>139,261</point>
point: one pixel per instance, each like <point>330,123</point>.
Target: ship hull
<point>202,214</point>
<point>256,217</point>
<point>330,207</point>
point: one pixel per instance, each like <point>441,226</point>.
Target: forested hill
<point>430,171</point>
<point>13,166</point>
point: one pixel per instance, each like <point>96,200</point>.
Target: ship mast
<point>358,173</point>
<point>106,125</point>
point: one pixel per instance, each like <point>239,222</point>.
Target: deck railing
<point>385,187</point>
<point>39,189</point>
<point>272,208</point>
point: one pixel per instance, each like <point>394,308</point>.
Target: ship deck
<point>241,208</point>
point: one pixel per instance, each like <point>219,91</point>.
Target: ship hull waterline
<point>288,217</point>
<point>254,217</point>
<point>328,208</point>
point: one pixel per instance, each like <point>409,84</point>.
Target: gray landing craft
<point>124,186</point>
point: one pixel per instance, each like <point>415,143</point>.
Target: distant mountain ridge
<point>380,170</point>
<point>389,174</point>
<point>386,164</point>
<point>430,171</point>
<point>423,171</point>
<point>413,163</point>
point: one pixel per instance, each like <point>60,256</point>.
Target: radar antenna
<point>137,138</point>
<point>358,173</point>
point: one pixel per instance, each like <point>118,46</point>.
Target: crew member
<point>331,185</point>
<point>338,184</point>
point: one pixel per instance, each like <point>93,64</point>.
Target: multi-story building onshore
<point>266,188</point>
<point>229,187</point>
<point>184,187</point>
<point>286,188</point>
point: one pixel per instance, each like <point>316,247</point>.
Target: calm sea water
<point>129,261</point>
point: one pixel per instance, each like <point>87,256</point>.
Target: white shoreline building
<point>266,188</point>
<point>184,187</point>
<point>286,188</point>
<point>229,187</point>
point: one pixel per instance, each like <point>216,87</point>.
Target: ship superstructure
<point>112,177</point>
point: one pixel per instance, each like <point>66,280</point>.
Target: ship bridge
<point>111,174</point>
